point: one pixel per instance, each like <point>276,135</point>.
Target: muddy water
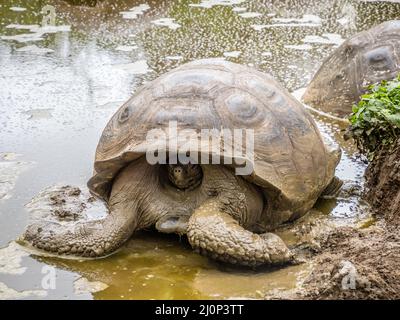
<point>59,86</point>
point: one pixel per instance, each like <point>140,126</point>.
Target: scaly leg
<point>215,233</point>
<point>100,237</point>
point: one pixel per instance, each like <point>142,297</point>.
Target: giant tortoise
<point>225,215</point>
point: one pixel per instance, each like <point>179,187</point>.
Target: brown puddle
<point>162,267</point>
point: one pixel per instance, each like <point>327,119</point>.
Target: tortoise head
<point>185,176</point>
<point>334,86</point>
<point>364,59</point>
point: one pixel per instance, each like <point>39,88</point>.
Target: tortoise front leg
<point>91,239</point>
<point>215,233</point>
<point>100,237</point>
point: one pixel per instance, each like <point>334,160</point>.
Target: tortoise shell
<point>366,58</point>
<point>291,164</point>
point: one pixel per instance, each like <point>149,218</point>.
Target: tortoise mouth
<point>189,184</point>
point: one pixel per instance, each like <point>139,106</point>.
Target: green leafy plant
<point>375,120</point>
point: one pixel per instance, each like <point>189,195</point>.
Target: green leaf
<point>375,119</point>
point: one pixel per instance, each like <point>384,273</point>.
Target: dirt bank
<point>361,263</point>
<point>383,185</point>
<point>355,264</point>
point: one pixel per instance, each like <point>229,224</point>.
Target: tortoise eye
<point>380,59</point>
<point>124,115</point>
<point>349,51</point>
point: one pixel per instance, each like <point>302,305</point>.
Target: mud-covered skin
<point>138,199</point>
<point>214,233</point>
<point>366,58</point>
<point>218,213</point>
<point>219,227</point>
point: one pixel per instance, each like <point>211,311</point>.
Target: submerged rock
<point>65,205</point>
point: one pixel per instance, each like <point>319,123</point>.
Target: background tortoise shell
<point>366,58</point>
